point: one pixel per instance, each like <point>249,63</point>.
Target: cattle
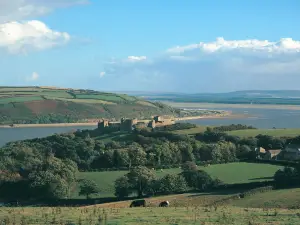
<point>138,203</point>
<point>164,204</point>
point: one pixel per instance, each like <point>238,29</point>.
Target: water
<point>260,118</point>
<point>18,133</point>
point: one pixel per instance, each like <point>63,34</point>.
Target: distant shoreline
<point>204,105</point>
<point>218,116</point>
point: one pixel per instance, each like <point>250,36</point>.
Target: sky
<point>187,46</point>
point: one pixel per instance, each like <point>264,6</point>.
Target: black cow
<point>138,203</point>
<point>164,204</point>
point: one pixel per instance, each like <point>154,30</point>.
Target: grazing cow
<point>138,203</point>
<point>164,204</point>
<point>242,195</point>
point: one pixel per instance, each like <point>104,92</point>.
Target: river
<point>23,133</point>
<point>257,117</point>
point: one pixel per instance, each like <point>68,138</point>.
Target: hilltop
<point>46,105</point>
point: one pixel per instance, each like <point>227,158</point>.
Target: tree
<point>197,179</point>
<point>88,187</point>
<point>54,179</point>
<point>286,177</point>
<point>137,155</point>
<point>139,178</point>
<point>122,187</point>
<point>172,183</point>
<point>189,166</point>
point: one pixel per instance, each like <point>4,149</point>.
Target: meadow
<point>188,215</point>
<point>231,173</point>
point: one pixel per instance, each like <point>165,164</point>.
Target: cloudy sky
<point>184,46</point>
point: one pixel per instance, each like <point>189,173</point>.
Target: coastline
<point>218,116</point>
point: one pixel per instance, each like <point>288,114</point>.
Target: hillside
<point>24,105</point>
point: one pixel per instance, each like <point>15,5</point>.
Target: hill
<point>25,105</point>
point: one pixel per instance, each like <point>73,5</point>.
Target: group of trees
<point>142,181</point>
<point>48,167</point>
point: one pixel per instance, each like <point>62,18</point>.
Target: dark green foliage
<point>88,187</point>
<point>176,126</point>
<point>232,127</point>
<point>137,181</point>
<point>287,177</point>
<point>171,183</point>
<point>122,187</point>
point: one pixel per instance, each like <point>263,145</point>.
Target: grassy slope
<point>286,198</point>
<point>23,104</point>
<point>146,216</point>
<point>228,173</point>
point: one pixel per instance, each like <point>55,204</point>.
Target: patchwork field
<point>42,105</point>
<point>229,173</point>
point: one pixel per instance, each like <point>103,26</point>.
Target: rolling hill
<point>41,105</point>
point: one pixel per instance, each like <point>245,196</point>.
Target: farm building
<point>272,154</point>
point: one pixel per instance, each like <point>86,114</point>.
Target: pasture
<point>231,173</point>
<point>141,216</point>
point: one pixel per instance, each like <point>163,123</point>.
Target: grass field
<point>229,173</point>
<point>147,216</point>
<point>286,198</point>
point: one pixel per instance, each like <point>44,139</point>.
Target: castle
<point>131,124</point>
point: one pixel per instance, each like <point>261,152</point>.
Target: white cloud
<point>34,76</point>
<point>136,58</point>
<point>102,74</point>
<point>32,35</point>
<point>221,65</point>
<point>14,10</point>
<point>283,45</point>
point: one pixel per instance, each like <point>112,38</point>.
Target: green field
<point>229,173</point>
<point>20,99</point>
<point>287,198</point>
<point>147,216</point>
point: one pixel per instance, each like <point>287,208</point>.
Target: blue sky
<point>184,46</point>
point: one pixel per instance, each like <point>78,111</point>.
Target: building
<point>102,124</point>
<point>272,154</point>
<point>127,124</point>
<point>260,152</point>
<point>292,152</point>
